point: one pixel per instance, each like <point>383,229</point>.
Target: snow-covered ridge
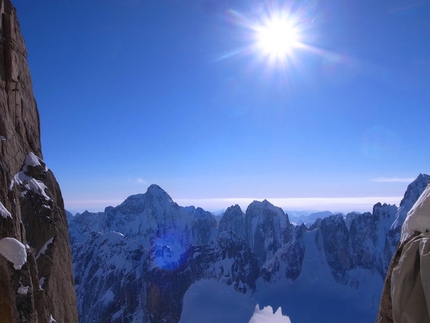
<point>418,218</point>
<point>412,194</point>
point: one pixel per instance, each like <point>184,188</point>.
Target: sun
<point>277,37</point>
<point>274,37</point>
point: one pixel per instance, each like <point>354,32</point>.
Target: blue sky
<point>135,92</point>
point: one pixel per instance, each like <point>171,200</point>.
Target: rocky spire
<point>38,285</point>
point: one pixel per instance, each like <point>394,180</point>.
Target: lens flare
<point>167,251</point>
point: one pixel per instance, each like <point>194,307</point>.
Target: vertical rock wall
<point>31,205</point>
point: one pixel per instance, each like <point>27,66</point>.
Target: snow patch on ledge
<point>23,290</point>
<point>32,160</point>
<point>30,183</point>
<point>44,247</point>
<point>418,218</point>
<point>41,282</point>
<point>4,212</point>
<point>14,251</point>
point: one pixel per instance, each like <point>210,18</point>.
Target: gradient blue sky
<point>172,92</point>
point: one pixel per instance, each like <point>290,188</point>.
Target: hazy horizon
<point>307,205</point>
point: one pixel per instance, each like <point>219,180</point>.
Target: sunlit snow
<point>44,247</point>
<point>14,251</point>
<point>41,282</point>
<point>23,290</point>
<point>32,160</point>
<point>4,212</point>
<point>30,183</point>
<point>266,315</point>
<point>418,218</point>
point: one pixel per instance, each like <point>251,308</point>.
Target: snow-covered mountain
<point>307,217</point>
<point>151,260</point>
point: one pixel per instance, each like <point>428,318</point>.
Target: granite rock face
<point>30,198</point>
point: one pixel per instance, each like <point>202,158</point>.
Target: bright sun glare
<point>277,37</point>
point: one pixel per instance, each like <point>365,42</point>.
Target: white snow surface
<point>44,247</point>
<point>32,160</point>
<point>30,183</point>
<point>4,212</point>
<point>266,315</point>
<point>41,282</point>
<point>14,251</point>
<point>418,218</point>
<point>23,290</point>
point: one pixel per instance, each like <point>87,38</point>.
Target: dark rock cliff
<point>32,212</point>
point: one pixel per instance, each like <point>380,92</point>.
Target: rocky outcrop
<point>31,206</point>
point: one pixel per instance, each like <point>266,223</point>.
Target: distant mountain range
<point>307,217</point>
<point>151,260</point>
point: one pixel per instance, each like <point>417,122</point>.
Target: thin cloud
<point>334,204</point>
<point>393,179</point>
<point>141,181</point>
<point>92,205</point>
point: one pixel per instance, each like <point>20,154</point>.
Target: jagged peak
<point>265,208</point>
<point>415,189</point>
<point>234,209</point>
<point>137,201</point>
<point>265,204</point>
<point>256,207</point>
<point>156,191</point>
<point>337,218</point>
